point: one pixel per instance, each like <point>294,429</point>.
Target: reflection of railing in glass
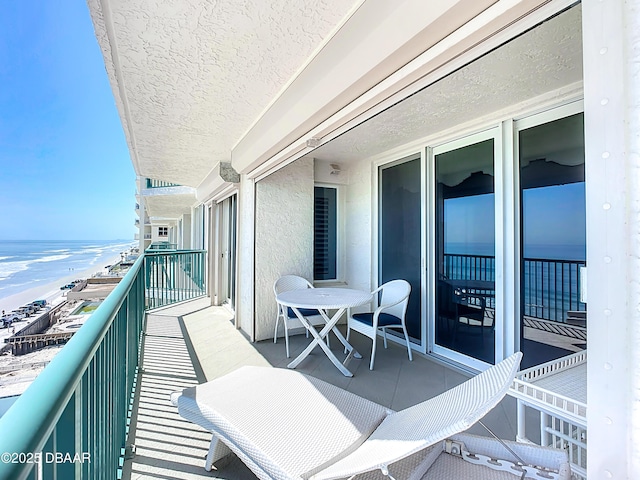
<point>551,287</point>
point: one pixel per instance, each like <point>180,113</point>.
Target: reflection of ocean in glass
<point>30,263</point>
<point>551,274</point>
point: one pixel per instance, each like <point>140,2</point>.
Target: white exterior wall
<point>359,226</point>
<point>611,42</point>
<point>283,236</point>
<point>157,238</point>
<point>186,231</point>
<point>245,256</point>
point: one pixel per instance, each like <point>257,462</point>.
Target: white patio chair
<point>286,425</point>
<point>390,314</point>
<point>288,316</point>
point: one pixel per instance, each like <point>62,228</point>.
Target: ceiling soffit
<point>169,206</point>
<point>542,60</point>
<point>190,77</point>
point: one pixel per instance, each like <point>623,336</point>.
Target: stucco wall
<point>186,231</point>
<point>244,294</point>
<point>358,227</point>
<point>283,236</point>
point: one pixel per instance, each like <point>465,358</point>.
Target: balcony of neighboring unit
<point>163,199</point>
<point>151,183</point>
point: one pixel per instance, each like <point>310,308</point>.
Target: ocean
<point>551,282</point>
<point>25,264</point>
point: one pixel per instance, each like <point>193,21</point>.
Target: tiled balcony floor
<point>192,343</point>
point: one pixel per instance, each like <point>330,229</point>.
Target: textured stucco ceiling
<point>194,74</point>
<point>169,206</point>
<point>542,60</point>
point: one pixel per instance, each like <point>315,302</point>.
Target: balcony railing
<point>161,246</point>
<point>160,184</point>
<point>172,279</point>
<point>73,421</point>
<point>550,288</point>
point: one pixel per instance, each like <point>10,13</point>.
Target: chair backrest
<point>290,282</point>
<point>395,293</point>
<point>415,428</point>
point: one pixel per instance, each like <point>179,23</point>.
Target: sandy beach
<point>17,373</point>
<point>51,291</point>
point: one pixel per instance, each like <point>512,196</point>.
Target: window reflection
<point>400,234</point>
<point>465,250</point>
<point>553,233</point>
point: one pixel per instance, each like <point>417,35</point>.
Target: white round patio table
<point>323,299</point>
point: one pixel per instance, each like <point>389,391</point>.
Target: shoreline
<point>51,291</point>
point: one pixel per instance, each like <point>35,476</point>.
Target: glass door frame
<point>227,243</point>
<point>518,125</point>
<point>398,159</point>
<point>494,132</point>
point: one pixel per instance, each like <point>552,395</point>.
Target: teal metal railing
<point>160,184</point>
<point>155,246</point>
<point>73,421</point>
<point>171,279</point>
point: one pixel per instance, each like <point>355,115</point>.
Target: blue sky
<point>65,170</point>
<point>553,217</point>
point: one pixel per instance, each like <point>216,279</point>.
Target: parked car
<point>8,318</point>
<point>39,303</point>
<point>16,315</point>
<point>26,310</point>
<point>68,286</point>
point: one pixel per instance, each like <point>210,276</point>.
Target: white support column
<point>246,257</point>
<point>611,42</point>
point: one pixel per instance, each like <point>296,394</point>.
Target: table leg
<point>352,352</point>
<point>318,340</point>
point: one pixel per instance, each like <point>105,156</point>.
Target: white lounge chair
<point>286,425</point>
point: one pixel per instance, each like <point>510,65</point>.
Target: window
<point>325,244</point>
<point>465,247</point>
<point>553,239</point>
<point>163,231</point>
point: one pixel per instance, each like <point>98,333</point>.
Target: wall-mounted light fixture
<point>335,169</point>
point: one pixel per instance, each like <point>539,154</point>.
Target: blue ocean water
<point>550,277</point>
<point>25,264</point>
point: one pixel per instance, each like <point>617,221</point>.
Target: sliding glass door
<point>228,214</point>
<point>464,237</point>
<point>399,227</point>
<point>553,238</point>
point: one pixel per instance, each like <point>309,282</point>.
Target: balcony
<point>109,387</point>
<point>193,342</point>
<point>151,183</point>
<point>79,408</point>
<point>553,311</point>
<point>167,200</point>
